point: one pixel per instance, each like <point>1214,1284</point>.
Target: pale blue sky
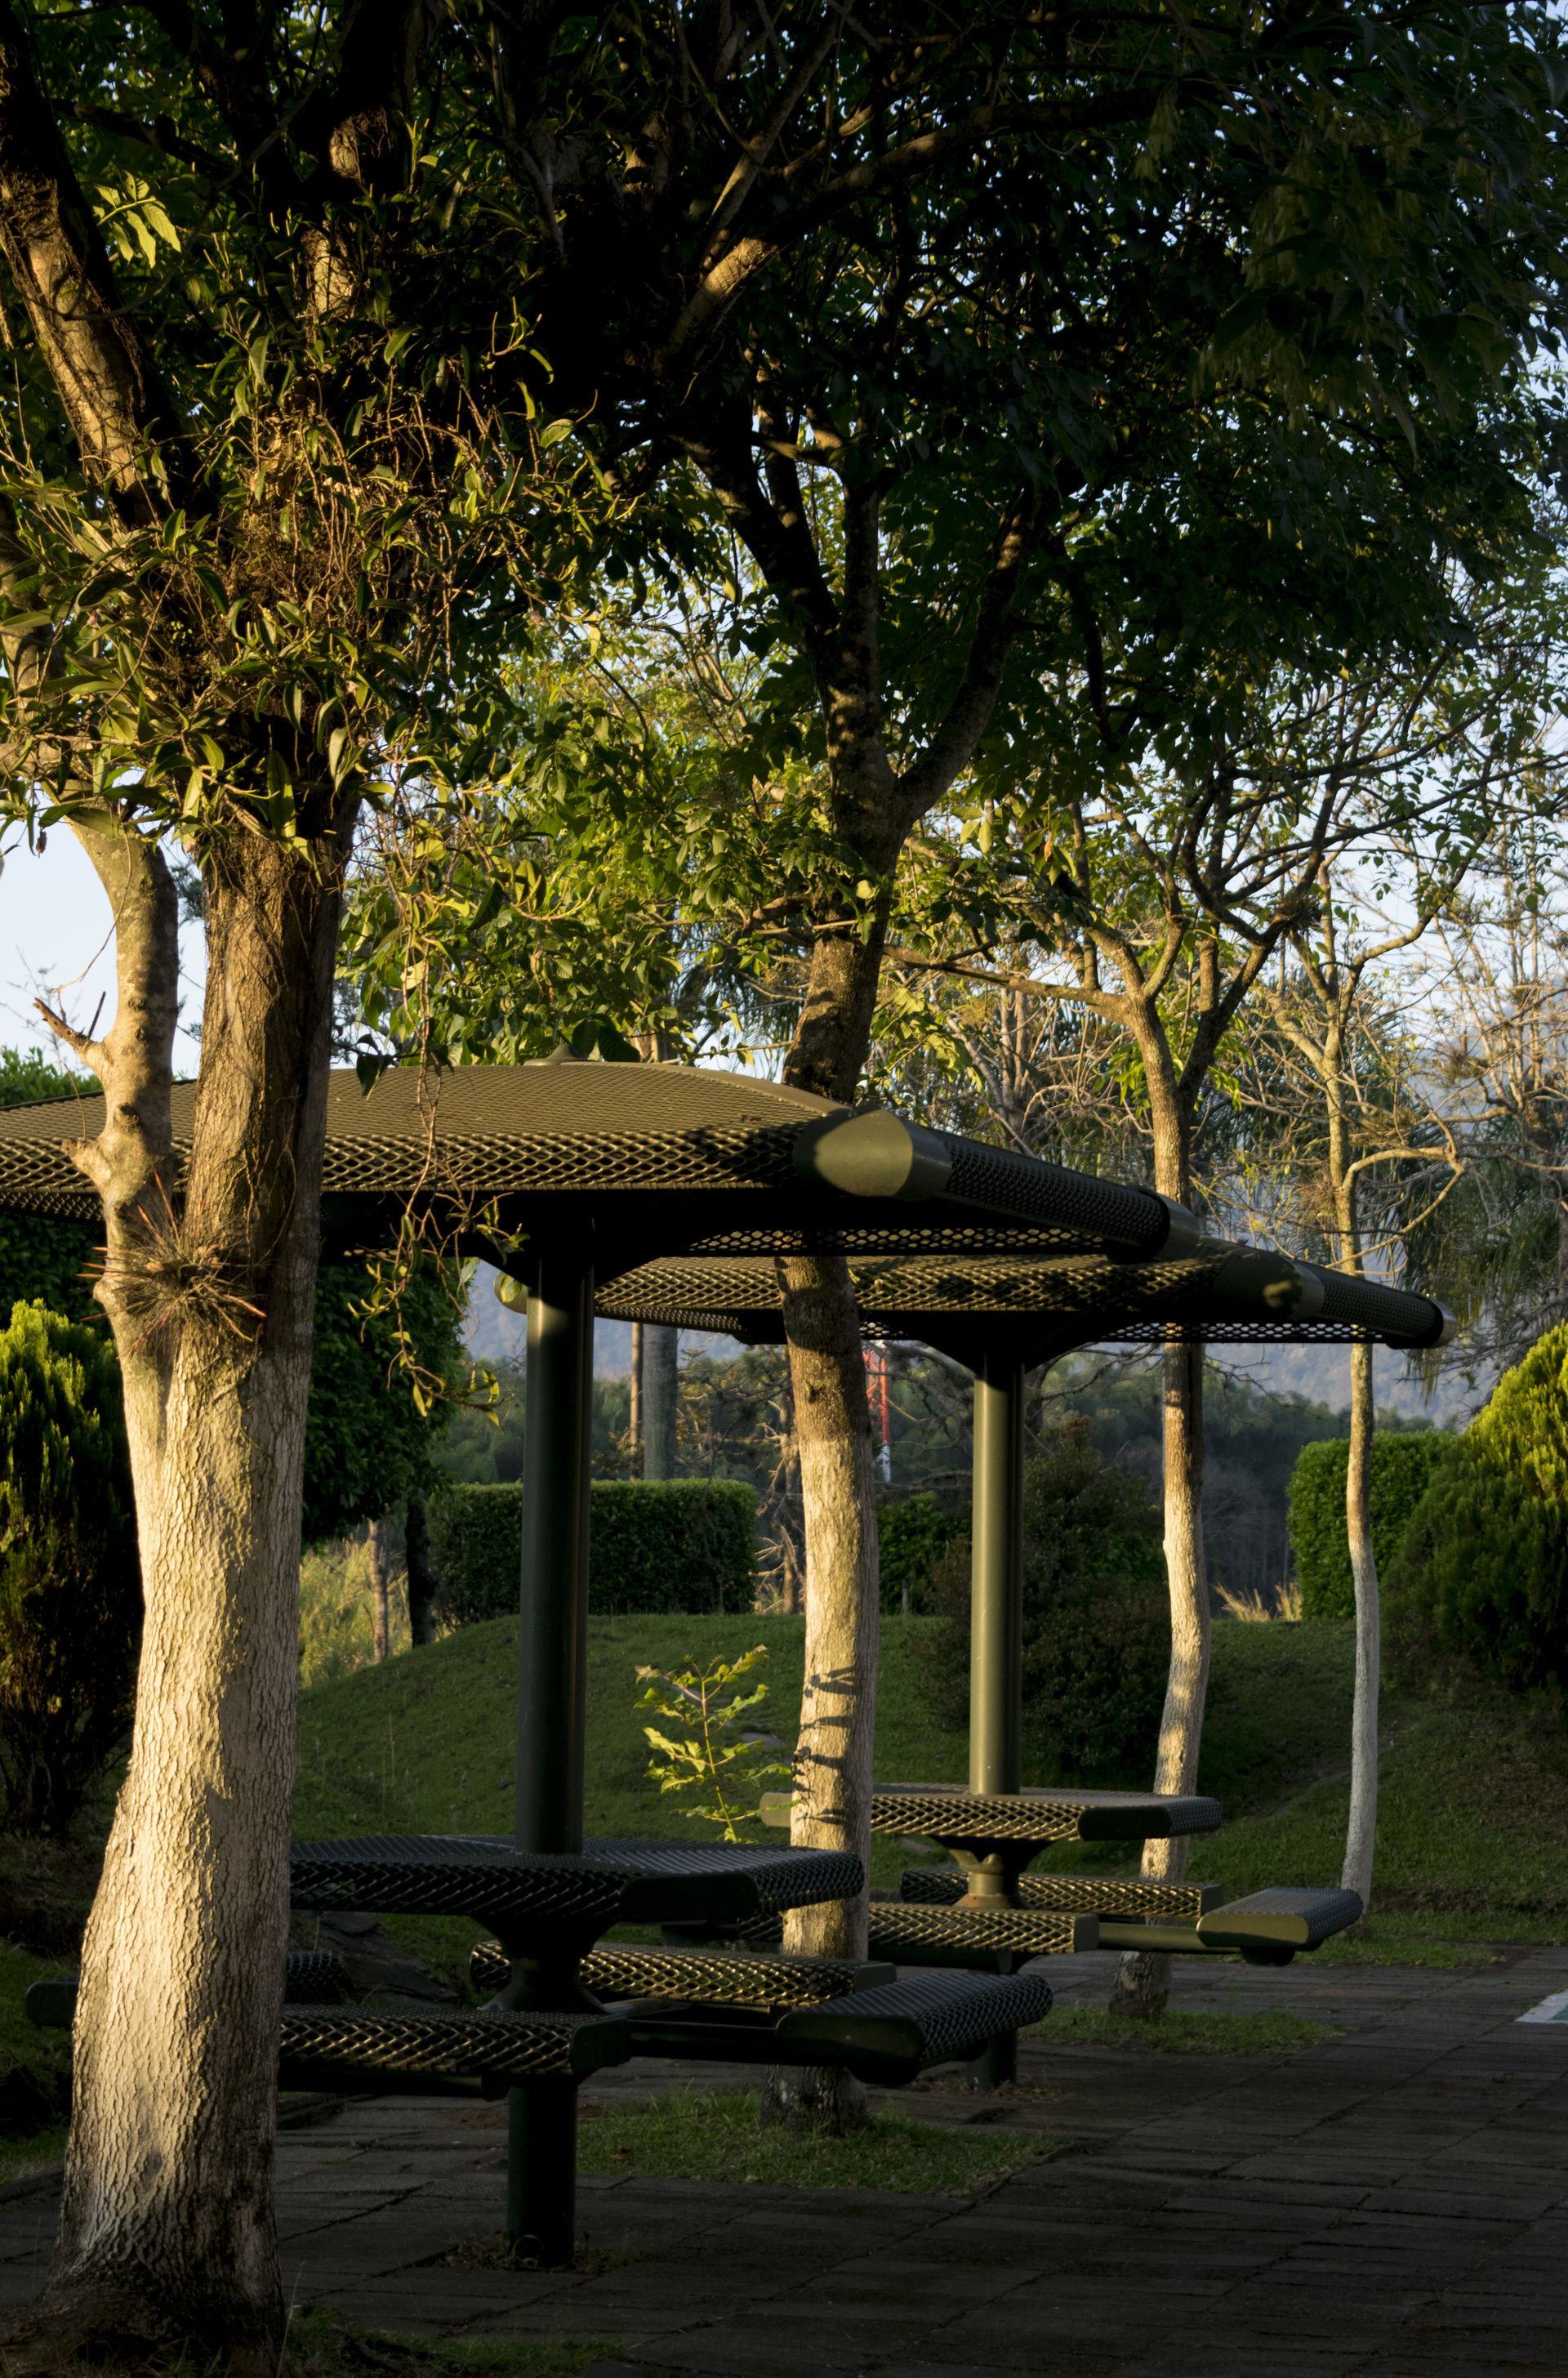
<point>56,939</point>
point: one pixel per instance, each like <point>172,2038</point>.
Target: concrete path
<point>1393,2202</point>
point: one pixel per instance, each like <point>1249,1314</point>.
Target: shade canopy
<point>627,1162</point>
<point>1030,1309</point>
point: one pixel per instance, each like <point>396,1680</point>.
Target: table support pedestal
<point>541,2172</point>
<point>996,1620</point>
<point>552,1653</point>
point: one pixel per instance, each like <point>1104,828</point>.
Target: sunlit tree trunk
<point>1142,1982</point>
<point>166,2224</point>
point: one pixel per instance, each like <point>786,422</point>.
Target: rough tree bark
<point>1142,1982</point>
<point>423,1591</point>
<point>661,1349</point>
<point>166,2226</point>
<point>380,1589</point>
<point>634,1419</point>
<point>1360,1838</point>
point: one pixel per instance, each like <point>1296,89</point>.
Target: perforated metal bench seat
<point>913,1935</point>
<point>699,1977</point>
<point>891,2035</point>
<point>528,1896</point>
<point>1268,1927</point>
<point>337,2048</point>
<point>1080,1894</point>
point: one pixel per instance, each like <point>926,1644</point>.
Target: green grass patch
<point>692,2135</point>
<point>1473,1822</point>
<point>1201,2032</point>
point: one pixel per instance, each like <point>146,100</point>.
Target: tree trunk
<point>634,1425</point>
<point>1360,1837</point>
<point>833,1757</point>
<point>1142,1982</point>
<point>166,2230</point>
<point>381,1591</point>
<point>423,1589</point>
<point>660,1377</point>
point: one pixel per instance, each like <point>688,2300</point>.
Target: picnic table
<point>573,1178</point>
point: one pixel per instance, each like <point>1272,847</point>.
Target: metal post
<point>553,1633</point>
<point>552,1655</point>
<point>996,1656</point>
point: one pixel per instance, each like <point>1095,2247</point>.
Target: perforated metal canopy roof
<point>1034,1306</point>
<point>642,1161</point>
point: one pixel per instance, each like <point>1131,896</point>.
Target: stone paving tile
<point>1391,2202</point>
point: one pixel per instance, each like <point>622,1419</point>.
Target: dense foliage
<point>913,1535</point>
<point>1404,1463</point>
<point>41,1254</point>
<point>1096,1627</point>
<point>1481,1580</point>
<point>676,1543</point>
<point>70,1586</point>
<point>368,1443</point>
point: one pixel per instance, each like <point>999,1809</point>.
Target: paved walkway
<point>1393,2202</point>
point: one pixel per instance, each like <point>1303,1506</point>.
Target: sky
<point>57,941</point>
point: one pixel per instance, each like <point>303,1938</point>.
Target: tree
<point>285,500</point>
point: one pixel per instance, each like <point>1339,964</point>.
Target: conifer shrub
<point>70,1583</point>
<point>1480,1580</point>
<point>1096,1621</point>
<point>1404,1463</point>
<point>654,1544</point>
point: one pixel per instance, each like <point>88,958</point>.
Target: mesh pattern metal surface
<point>707,1978</point>
<point>901,1930</point>
<point>1078,1894</point>
<point>1102,1210</point>
<point>429,1875</point>
<point>1383,1311</point>
<point>509,2046</point>
<point>926,2019</point>
<point>939,1815</point>
<point>490,1130</point>
<point>783,1878</point>
<point>315,1978</point>
<point>1301,1919</point>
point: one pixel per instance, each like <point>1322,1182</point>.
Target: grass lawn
<point>692,2135</point>
<point>1473,1830</point>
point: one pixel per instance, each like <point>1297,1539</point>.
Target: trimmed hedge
<point>1404,1464</point>
<point>655,1544</point>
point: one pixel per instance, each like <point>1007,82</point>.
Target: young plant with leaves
<point>712,1759</point>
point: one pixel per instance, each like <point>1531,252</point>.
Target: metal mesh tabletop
<point>612,1882</point>
<point>944,1813</point>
